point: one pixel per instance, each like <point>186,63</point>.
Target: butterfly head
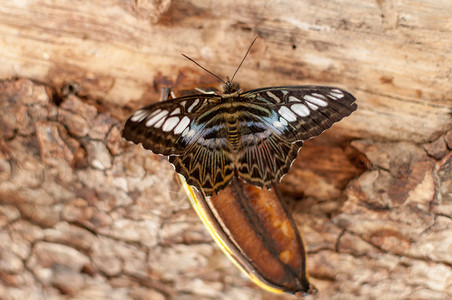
<point>230,89</point>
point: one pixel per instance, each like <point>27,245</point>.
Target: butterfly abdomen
<point>233,134</point>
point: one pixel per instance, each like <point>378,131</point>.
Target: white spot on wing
<point>336,94</point>
<point>175,112</point>
<point>155,118</point>
<point>170,124</point>
<point>312,106</point>
<point>294,99</point>
<point>154,113</point>
<point>193,105</point>
<point>159,123</point>
<point>190,133</point>
<point>300,110</point>
<point>287,114</point>
<point>283,121</point>
<point>139,115</point>
<point>277,124</point>
<point>185,131</point>
<point>284,92</point>
<point>182,125</point>
<point>319,96</point>
<point>273,96</point>
<point>315,100</point>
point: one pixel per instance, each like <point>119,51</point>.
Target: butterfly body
<point>255,135</point>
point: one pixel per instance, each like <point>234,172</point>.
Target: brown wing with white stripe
<point>165,127</point>
<point>303,112</point>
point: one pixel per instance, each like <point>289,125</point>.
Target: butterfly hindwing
<point>268,161</point>
<point>204,168</point>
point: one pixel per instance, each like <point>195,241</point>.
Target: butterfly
<point>254,135</point>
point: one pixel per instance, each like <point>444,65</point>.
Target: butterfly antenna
<point>247,51</point>
<point>204,68</point>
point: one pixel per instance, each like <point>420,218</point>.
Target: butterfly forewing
<point>255,135</point>
<point>164,127</point>
<point>304,111</point>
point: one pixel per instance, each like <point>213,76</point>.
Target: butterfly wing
<point>303,112</point>
<point>178,128</point>
<point>295,114</point>
<point>207,169</point>
<point>268,161</point>
<point>164,127</point>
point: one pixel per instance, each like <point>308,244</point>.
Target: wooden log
<point>83,214</point>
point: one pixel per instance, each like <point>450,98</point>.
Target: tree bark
<point>83,214</point>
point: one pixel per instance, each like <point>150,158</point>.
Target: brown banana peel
<point>257,233</point>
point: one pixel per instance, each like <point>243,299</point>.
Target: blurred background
<point>84,215</point>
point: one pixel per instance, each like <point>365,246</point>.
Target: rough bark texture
<point>84,215</point>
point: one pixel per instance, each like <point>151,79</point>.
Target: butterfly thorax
<point>233,125</point>
<point>231,89</point>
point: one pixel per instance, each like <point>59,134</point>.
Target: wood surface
<point>85,215</point>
